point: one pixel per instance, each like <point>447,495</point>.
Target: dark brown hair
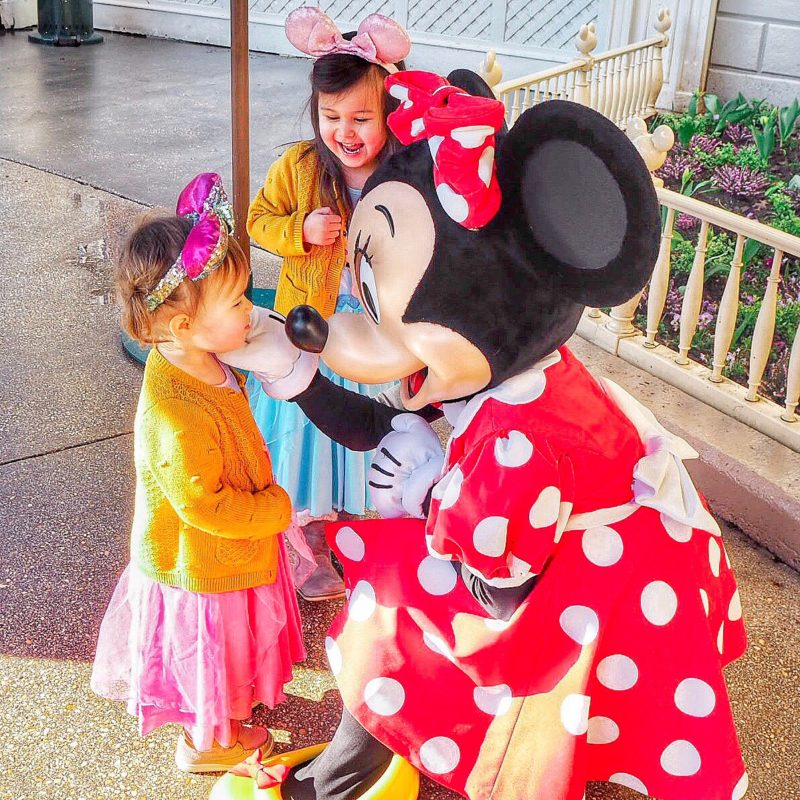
<point>151,249</point>
<point>335,74</point>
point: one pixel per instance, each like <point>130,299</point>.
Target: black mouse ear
<point>471,82</point>
<point>590,209</point>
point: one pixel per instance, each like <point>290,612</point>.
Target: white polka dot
<point>680,758</point>
<point>494,700</point>
<point>659,602</point>
<point>617,672</point>
<point>741,787</point>
<point>514,450</point>
<point>704,598</point>
<point>602,730</point>
<point>384,696</point>
<point>721,638</point>
<point>454,205</point>
<point>631,781</point>
<point>497,624</point>
<point>580,623</point>
<point>518,567</point>
<point>544,511</point>
<point>695,697</point>
<point>735,607</point>
<point>564,513</point>
<point>439,755</point>
<point>471,136</point>
<point>602,546</point>
<point>679,531</point>
<point>486,165</point>
<point>362,602</point>
<point>490,536</point>
<point>437,645</point>
<point>575,714</point>
<point>448,489</point>
<point>727,560</point>
<point>350,544</point>
<point>437,577</point>
<point>713,557</point>
<point>434,143</point>
<point>334,655</point>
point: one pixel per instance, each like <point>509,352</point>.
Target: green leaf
<point>712,104</point>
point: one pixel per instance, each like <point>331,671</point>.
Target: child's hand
<point>322,226</point>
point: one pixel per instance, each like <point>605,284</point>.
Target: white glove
<point>407,463</point>
<point>283,370</point>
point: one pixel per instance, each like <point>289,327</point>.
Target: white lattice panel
<point>341,10</point>
<point>547,23</point>
<point>456,18</point>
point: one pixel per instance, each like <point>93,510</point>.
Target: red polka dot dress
<point>611,669</point>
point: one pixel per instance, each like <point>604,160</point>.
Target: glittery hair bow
<point>379,40</point>
<point>460,129</point>
<point>205,203</point>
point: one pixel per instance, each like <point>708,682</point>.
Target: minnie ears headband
<point>460,129</point>
<point>205,203</point>
<point>379,40</point>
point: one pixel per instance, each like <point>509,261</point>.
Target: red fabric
<point>613,649</point>
<point>460,130</point>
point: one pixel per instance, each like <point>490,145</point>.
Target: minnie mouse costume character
<point>553,604</point>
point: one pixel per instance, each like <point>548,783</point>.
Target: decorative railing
<point>617,333</point>
<point>620,83</point>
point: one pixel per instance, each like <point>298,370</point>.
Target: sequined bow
<point>460,130</point>
<point>206,204</point>
<point>379,40</point>
<point>265,776</point>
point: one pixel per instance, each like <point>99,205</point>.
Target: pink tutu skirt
<point>199,660</point>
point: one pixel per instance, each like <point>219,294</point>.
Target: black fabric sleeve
<point>351,419</point>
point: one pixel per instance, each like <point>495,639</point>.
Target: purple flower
<point>705,143</point>
<point>738,134</point>
<point>676,163</point>
<point>686,222</point>
<point>741,181</point>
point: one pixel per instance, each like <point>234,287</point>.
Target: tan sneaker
<point>219,758</point>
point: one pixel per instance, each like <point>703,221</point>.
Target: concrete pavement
<point>67,395</point>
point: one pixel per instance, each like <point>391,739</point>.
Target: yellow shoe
<point>400,781</point>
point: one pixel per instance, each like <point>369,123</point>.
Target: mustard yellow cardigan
<point>207,510</point>
<point>310,274</point>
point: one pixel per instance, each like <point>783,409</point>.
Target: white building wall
<point>756,50</point>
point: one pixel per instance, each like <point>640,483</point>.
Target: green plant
<point>749,157</point>
<point>682,255</point>
<point>724,154</point>
<point>765,134</point>
<point>686,128</point>
<point>690,187</point>
<point>787,119</point>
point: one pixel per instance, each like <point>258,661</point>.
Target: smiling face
<point>223,317</point>
<point>390,245</point>
<point>352,126</point>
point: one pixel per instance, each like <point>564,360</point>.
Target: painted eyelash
<point>363,252</point>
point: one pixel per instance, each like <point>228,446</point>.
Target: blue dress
<point>320,476</point>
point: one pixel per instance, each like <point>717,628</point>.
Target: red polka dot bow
<point>460,130</point>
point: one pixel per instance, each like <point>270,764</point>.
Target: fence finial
<point>490,70</point>
<point>653,147</point>
<point>586,40</point>
<point>663,23</point>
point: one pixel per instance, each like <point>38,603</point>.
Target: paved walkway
<point>67,396</point>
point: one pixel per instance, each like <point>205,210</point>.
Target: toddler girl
<point>301,213</point>
<point>204,621</point>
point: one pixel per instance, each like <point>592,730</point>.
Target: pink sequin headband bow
<point>460,129</point>
<point>379,40</point>
<point>205,203</point>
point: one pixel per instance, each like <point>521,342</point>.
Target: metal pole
<point>240,119</point>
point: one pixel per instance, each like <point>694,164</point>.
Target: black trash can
<point>65,23</point>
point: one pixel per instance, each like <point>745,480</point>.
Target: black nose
<point>307,329</point>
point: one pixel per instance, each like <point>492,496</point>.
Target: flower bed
<point>743,156</point>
